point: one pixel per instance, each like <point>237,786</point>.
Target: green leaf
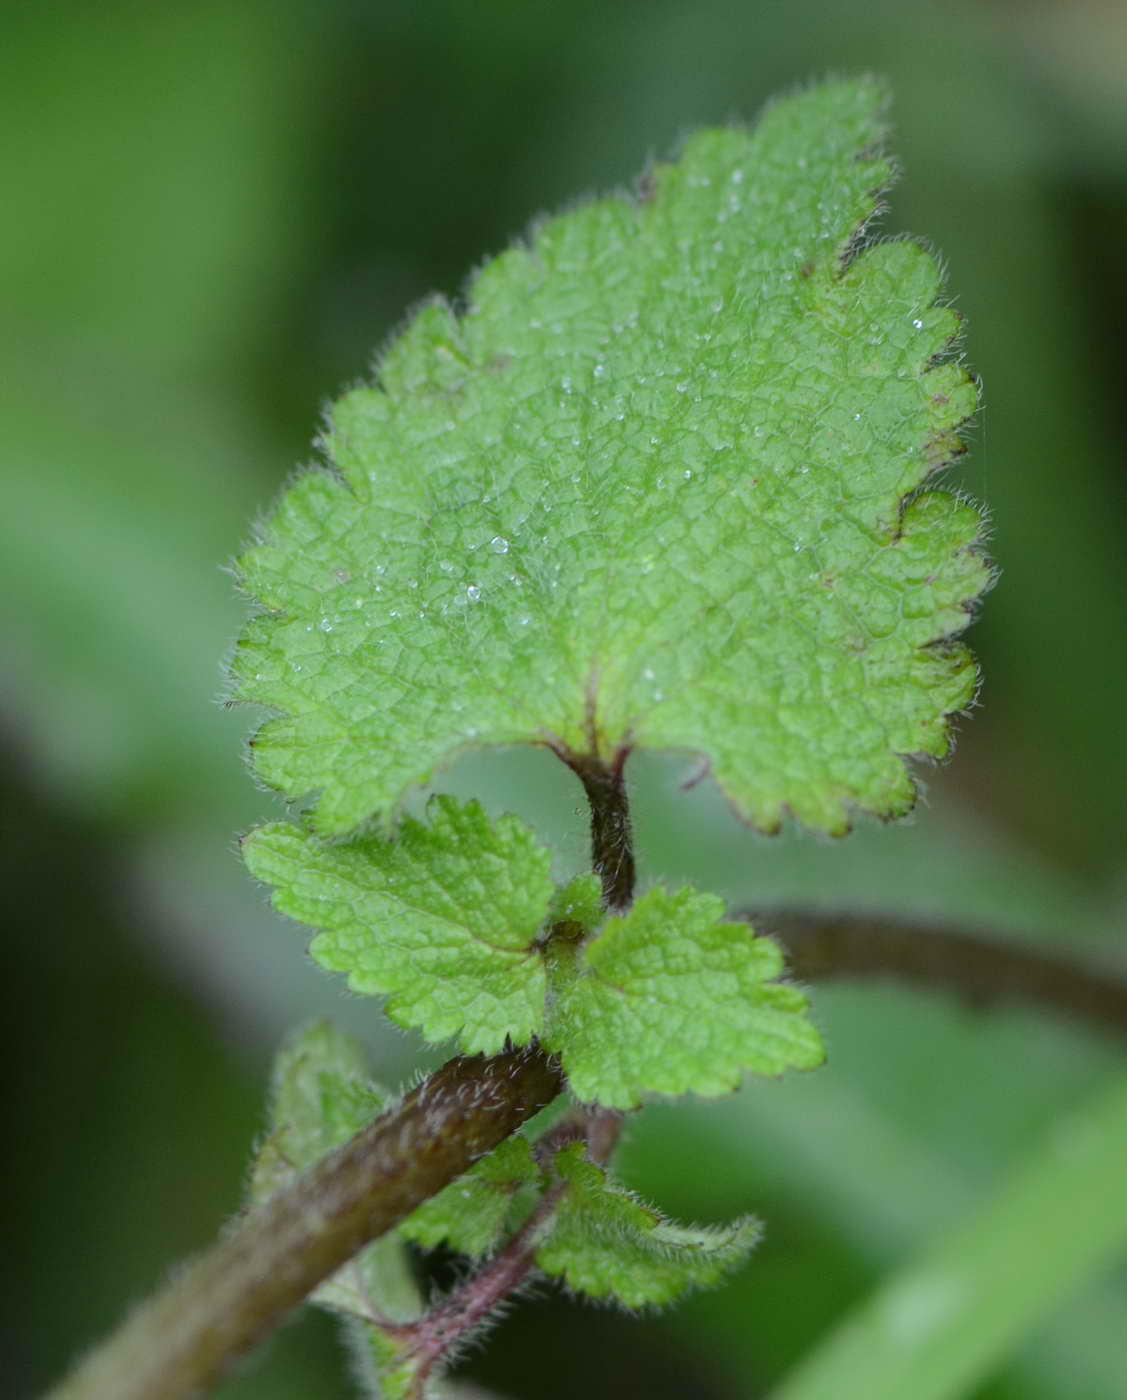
<point>322,1096</point>
<point>579,902</point>
<point>669,999</point>
<point>471,1213</point>
<point>443,919</point>
<point>657,486</point>
<point>607,1244</point>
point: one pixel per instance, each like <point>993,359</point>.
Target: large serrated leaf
<point>648,490</point>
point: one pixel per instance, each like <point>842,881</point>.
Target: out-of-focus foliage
<point>322,1095</point>
<point>213,216</point>
<point>948,1318</point>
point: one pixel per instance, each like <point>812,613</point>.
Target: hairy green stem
<point>233,1296</point>
<point>242,1289</point>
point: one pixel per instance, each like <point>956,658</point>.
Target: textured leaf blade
<point>670,999</point>
<point>471,1213</point>
<point>443,920</point>
<point>322,1096</point>
<point>648,490</point>
<point>447,921</point>
<point>608,1244</point>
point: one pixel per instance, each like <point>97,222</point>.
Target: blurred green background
<point>213,214</point>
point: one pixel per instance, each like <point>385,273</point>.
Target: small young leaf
<point>649,490</point>
<point>580,902</point>
<point>607,1244</point>
<point>322,1096</point>
<point>443,919</point>
<point>670,999</point>
<point>471,1213</point>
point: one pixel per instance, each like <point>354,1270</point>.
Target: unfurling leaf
<point>580,902</point>
<point>658,485</point>
<point>608,1244</point>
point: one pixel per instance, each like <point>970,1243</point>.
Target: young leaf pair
<point>457,921</point>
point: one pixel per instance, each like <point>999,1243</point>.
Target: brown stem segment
<point>612,842</point>
<point>980,970</point>
<point>242,1289</point>
<point>455,1319</point>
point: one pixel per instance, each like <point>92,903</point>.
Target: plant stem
<point>437,1334</point>
<point>243,1288</point>
<point>432,1338</point>
<point>981,970</point>
<point>246,1285</point>
<point>612,841</point>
